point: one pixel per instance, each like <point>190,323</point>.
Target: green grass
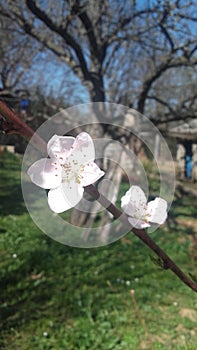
<point>55,297</point>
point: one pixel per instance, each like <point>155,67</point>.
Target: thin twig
<point>15,125</point>
<point>138,313</point>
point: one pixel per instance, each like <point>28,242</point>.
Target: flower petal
<point>91,174</point>
<point>45,173</point>
<point>83,150</point>
<point>137,223</point>
<point>157,210</point>
<point>65,197</point>
<point>60,147</point>
<point>134,202</point>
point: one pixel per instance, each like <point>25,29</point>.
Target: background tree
<point>174,96</point>
<point>17,55</point>
<point>118,51</point>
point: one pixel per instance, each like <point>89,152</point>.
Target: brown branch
<point>143,236</point>
<point>15,125</point>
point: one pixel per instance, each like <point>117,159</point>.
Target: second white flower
<point>142,214</point>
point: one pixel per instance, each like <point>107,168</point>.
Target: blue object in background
<point>188,159</point>
<point>24,104</point>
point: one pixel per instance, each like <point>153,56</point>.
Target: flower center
<point>72,170</point>
<point>142,213</point>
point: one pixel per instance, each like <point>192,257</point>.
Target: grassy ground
<point>54,297</point>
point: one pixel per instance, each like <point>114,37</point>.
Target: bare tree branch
<point>62,32</point>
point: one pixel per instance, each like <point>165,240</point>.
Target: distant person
<point>188,159</point>
<point>24,106</point>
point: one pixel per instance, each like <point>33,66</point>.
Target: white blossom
<point>141,213</point>
<point>69,169</point>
